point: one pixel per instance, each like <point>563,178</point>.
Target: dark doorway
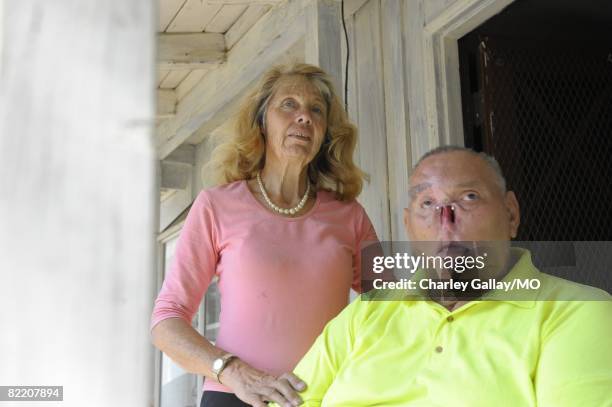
<point>536,85</point>
<point>537,94</point>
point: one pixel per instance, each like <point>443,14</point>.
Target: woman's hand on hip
<point>256,387</point>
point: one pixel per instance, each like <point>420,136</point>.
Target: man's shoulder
<point>559,289</point>
<point>573,305</point>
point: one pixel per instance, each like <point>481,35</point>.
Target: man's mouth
<point>455,249</point>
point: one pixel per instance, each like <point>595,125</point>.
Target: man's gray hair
<point>488,159</point>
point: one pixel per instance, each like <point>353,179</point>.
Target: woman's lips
<point>300,136</point>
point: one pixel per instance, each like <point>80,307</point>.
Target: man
<point>537,350</point>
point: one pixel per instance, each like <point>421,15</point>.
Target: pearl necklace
<point>289,211</point>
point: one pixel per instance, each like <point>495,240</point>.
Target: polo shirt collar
<point>523,269</point>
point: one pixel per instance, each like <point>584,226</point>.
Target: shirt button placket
<point>440,348</point>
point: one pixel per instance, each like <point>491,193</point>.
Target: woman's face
<point>295,122</point>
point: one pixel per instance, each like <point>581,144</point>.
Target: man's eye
<point>428,203</point>
<point>471,196</point>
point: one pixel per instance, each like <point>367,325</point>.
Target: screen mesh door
<point>545,112</point>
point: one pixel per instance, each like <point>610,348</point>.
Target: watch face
<point>217,364</point>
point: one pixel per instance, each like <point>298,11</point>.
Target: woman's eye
<point>317,109</point>
<point>288,103</point>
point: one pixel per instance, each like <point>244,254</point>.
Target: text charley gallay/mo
<point>457,285</point>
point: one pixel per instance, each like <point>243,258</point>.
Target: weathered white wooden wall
<point>404,90</point>
<point>77,198</point>
<point>377,104</point>
<point>322,38</point>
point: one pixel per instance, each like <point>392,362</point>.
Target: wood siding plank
<point>225,18</point>
<point>174,78</point>
<point>168,9</point>
<point>193,17</point>
<point>371,123</point>
<point>399,161</point>
<point>166,103</point>
<point>324,25</point>
<point>189,82</point>
<point>244,24</point>
<point>161,75</point>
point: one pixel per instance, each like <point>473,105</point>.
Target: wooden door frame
<point>444,121</point>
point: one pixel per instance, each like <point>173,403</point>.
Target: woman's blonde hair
<point>242,155</point>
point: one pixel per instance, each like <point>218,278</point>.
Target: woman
<point>283,234</point>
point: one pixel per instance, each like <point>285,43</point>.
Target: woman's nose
<point>304,117</point>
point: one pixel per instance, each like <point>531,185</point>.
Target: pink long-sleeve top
<point>280,279</point>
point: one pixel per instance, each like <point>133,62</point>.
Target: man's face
<point>482,211</point>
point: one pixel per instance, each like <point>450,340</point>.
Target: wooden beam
<point>210,103</point>
<point>191,51</point>
<point>166,103</point>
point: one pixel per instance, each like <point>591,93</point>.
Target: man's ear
<point>407,225</point>
<point>514,212</point>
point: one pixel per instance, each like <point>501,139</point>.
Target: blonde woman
<point>283,233</point>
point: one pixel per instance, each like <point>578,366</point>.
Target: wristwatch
<point>220,364</point>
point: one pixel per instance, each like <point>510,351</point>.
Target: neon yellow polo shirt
<point>537,352</point>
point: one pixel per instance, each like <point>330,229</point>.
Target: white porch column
<point>77,198</point>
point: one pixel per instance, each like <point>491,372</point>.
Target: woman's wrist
<point>220,364</point>
<point>231,372</point>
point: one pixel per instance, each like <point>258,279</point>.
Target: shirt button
<point>450,318</point>
<point>439,349</point>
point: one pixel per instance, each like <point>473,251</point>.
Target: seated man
<point>542,349</point>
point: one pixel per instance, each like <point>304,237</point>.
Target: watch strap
<point>225,359</point>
